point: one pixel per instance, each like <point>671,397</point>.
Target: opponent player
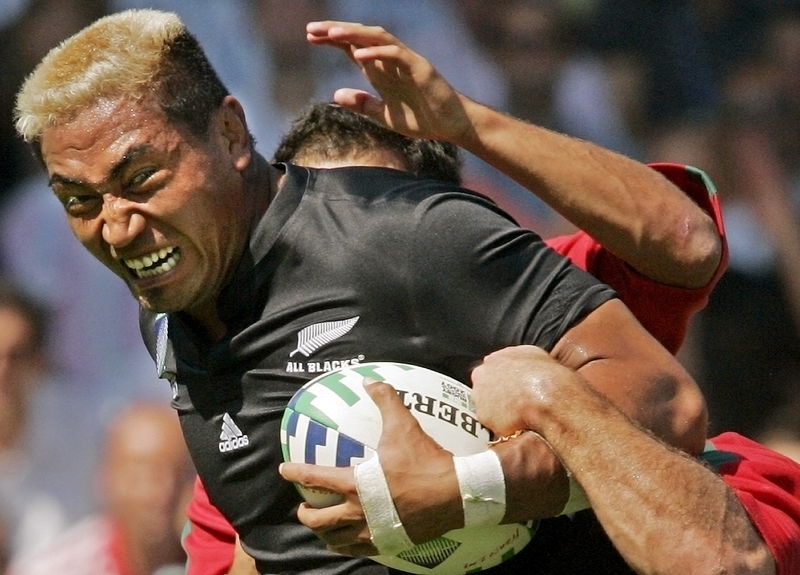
<point>761,479</point>
<point>241,265</point>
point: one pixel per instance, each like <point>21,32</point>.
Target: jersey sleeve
<point>768,486</point>
<point>662,309</point>
<point>208,538</point>
<point>480,278</point>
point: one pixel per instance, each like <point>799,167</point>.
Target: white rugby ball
<point>332,420</point>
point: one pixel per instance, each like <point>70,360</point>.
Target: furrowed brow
<point>114,173</point>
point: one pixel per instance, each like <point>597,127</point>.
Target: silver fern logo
<point>313,337</point>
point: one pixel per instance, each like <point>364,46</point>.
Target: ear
<point>236,136</point>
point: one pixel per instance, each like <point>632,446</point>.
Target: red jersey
<point>662,309</point>
<point>767,484</point>
<point>208,538</point>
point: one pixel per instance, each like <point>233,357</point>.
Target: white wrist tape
<point>385,528</point>
<point>483,488</point>
<point>577,498</point>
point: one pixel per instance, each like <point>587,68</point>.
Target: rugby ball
<point>332,420</point>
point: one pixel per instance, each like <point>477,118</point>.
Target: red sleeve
<point>208,539</point>
<point>768,486</point>
<point>663,310</point>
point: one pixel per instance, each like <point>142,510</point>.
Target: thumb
<point>399,427</point>
<point>360,102</point>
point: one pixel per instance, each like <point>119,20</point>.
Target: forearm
<point>664,511</point>
<point>634,211</point>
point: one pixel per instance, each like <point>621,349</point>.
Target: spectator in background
<point>300,73</point>
<point>749,335</point>
<point>5,540</point>
<point>105,361</point>
<point>145,478</point>
<point>28,29</point>
<point>782,429</point>
<point>46,444</point>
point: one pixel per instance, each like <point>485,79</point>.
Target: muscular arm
<point>669,403</point>
<point>632,210</point>
<point>636,213</point>
<point>664,511</point>
<point>636,374</point>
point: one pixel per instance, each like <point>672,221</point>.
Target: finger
<point>347,518</point>
<point>395,416</point>
<point>360,101</point>
<point>320,28</point>
<point>343,528</point>
<point>338,479</point>
<point>317,32</point>
<point>349,32</point>
<point>345,540</point>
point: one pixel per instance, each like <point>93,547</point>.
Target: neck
<point>262,182</point>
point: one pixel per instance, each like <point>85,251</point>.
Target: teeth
<point>155,263</point>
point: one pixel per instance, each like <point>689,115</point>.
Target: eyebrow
<point>113,174</point>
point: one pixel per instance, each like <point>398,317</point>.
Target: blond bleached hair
<point>136,54</point>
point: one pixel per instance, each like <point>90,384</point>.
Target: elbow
<point>691,421</point>
<point>700,251</point>
<point>682,412</point>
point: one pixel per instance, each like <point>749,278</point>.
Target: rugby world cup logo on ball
<point>332,420</point>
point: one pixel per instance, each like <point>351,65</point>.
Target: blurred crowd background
<point>712,83</point>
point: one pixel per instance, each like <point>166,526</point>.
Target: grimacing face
<point>159,207</point>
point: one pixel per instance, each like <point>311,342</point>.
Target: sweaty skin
<point>135,186</point>
<point>664,511</point>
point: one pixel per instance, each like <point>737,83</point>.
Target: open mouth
<point>155,263</point>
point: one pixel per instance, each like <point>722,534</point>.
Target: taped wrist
<point>385,528</point>
<point>483,488</point>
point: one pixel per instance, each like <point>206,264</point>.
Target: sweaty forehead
<point>105,115</point>
<point>84,146</point>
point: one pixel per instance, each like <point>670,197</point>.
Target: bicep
<point>620,359</point>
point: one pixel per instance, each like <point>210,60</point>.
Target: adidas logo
<point>231,436</point>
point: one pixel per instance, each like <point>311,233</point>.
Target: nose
<point>121,222</point>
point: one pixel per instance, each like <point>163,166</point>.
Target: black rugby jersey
<point>393,268</point>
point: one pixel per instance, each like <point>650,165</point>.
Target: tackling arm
<point>662,509</point>
<point>635,212</point>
